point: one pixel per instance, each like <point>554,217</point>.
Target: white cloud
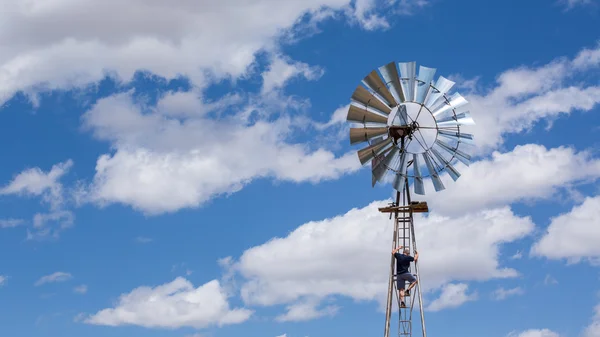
<point>452,296</point>
<point>535,333</point>
<point>588,57</point>
<point>82,289</point>
<point>172,305</point>
<point>338,117</point>
<point>164,164</point>
<point>593,330</point>
<point>282,69</point>
<point>53,278</point>
<point>10,223</point>
<point>44,51</point>
<point>306,263</point>
<point>47,225</point>
<point>570,4</point>
<point>528,172</point>
<point>501,293</point>
<point>549,280</point>
<point>3,280</point>
<point>524,96</point>
<point>573,235</point>
<point>35,182</point>
<point>306,310</point>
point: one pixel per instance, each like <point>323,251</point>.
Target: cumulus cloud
<point>282,69</point>
<point>452,296</point>
<point>58,276</point>
<point>593,330</point>
<point>306,310</point>
<point>164,164</point>
<point>523,96</point>
<point>573,235</point>
<point>306,263</point>
<point>528,172</point>
<point>44,52</point>
<point>172,305</point>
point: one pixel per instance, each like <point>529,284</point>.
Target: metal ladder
<point>404,224</point>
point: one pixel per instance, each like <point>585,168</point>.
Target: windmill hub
<point>402,131</point>
<point>415,123</point>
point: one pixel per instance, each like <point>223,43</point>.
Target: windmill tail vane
<point>410,127</point>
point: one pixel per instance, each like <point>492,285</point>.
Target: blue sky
<point>185,169</point>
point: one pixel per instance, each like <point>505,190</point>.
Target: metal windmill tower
<point>407,117</point>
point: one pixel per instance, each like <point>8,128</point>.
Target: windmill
<point>412,129</point>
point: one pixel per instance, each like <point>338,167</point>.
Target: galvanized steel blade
<point>463,118</point>
<point>418,180</point>
<point>362,115</point>
<point>374,82</point>
<point>423,83</point>
<point>442,86</point>
<point>389,72</point>
<point>363,96</point>
<point>457,136</point>
<point>379,169</point>
<point>455,101</point>
<point>376,140</point>
<point>407,79</point>
<point>371,151</point>
<point>400,177</point>
<point>435,178</point>
<point>458,154</point>
<point>359,135</point>
<point>449,168</point>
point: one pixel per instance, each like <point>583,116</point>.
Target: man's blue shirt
<point>402,262</point>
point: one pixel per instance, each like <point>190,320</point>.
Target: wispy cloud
<point>518,255</point>
<point>549,280</point>
<point>53,278</point>
<point>34,182</point>
<point>143,239</point>
<point>501,293</point>
<point>10,223</point>
<point>570,4</point>
<point>82,289</point>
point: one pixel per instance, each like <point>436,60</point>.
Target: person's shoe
<point>407,293</point>
<point>402,305</point>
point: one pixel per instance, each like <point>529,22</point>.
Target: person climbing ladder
<point>402,275</point>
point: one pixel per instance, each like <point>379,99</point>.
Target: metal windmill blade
<point>410,126</point>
